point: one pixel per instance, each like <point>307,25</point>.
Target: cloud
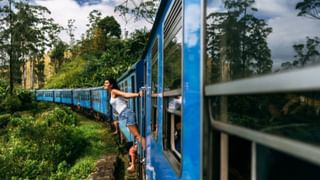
<point>192,25</point>
<point>62,11</point>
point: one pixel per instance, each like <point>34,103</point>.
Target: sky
<point>63,10</point>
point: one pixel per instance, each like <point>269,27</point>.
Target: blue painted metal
<point>191,90</point>
<point>158,166</point>
<point>57,95</point>
<point>82,98</point>
<point>45,95</point>
<point>99,98</point>
<point>66,96</point>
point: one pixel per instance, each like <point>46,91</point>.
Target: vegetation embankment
<point>53,143</point>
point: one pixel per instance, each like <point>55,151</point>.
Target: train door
<point>142,123</point>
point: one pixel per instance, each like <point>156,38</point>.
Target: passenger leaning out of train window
<point>119,103</point>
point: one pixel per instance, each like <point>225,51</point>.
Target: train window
<point>172,71</point>
<point>260,65</point>
<point>249,38</point>
<point>154,120</point>
<point>292,115</point>
<point>172,62</point>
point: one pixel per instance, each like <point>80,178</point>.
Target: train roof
<point>150,41</point>
<point>131,69</point>
<point>154,27</point>
<point>96,88</point>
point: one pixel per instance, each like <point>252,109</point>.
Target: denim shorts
<point>128,116</point>
<point>115,115</point>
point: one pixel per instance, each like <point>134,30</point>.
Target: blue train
<point>231,91</point>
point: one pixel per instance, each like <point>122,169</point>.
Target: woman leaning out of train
<point>119,103</point>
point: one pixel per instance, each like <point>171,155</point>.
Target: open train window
<point>172,96</point>
<point>154,120</point>
<point>269,100</point>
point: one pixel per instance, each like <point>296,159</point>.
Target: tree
<point>99,32</point>
<point>308,52</point>
<point>110,27</point>
<point>145,10</point>
<point>25,34</point>
<point>237,45</point>
<point>57,54</point>
<point>305,54</point>
<point>70,30</point>
<point>309,8</point>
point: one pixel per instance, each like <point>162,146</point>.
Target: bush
<point>26,97</point>
<point>4,120</point>
<point>12,103</point>
<point>41,148</point>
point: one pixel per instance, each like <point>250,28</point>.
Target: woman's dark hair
<point>113,82</point>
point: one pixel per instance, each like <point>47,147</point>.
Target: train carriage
<point>57,95</point>
<point>82,97</point>
<point>173,106</point>
<point>45,95</point>
<point>66,96</point>
<point>99,99</point>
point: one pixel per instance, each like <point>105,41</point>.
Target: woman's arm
<point>117,92</point>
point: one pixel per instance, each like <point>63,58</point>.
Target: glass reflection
<point>252,37</point>
<point>172,63</point>
<point>293,115</point>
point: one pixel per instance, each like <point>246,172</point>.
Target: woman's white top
<point>118,103</point>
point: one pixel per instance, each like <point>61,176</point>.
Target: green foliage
<point>89,70</point>
<point>145,10</point>
<point>11,103</point>
<point>25,33</point>
<point>19,101</point>
<point>237,40</point>
<point>3,90</point>
<point>81,169</point>
<point>110,27</point>
<point>53,146</point>
<point>57,54</point>
<point>26,97</point>
<point>39,146</point>
<point>68,75</point>
<point>309,8</point>
<point>4,120</point>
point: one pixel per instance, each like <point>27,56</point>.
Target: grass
<point>101,143</point>
<point>100,139</point>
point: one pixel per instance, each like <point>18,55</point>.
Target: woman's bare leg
<point>135,132</point>
<point>116,127</point>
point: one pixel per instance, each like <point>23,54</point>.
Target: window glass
<point>292,115</point>
<point>172,81</point>
<point>172,63</point>
<point>172,75</point>
<point>252,37</point>
<point>154,77</point>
